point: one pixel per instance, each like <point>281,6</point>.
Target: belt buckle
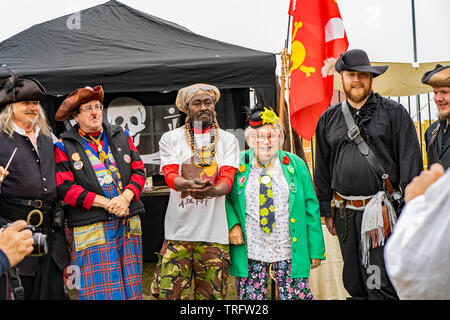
<point>353,133</point>
<point>31,213</point>
<point>39,205</point>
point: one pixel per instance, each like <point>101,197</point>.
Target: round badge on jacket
<point>78,165</point>
<point>127,158</point>
<point>76,156</point>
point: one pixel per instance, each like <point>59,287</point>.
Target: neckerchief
<point>102,155</point>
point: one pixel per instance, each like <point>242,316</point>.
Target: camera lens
<point>40,246</point>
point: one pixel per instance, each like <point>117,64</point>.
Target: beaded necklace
<point>203,156</point>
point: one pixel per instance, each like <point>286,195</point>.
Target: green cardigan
<point>305,226</point>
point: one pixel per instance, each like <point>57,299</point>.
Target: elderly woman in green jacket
<point>273,216</point>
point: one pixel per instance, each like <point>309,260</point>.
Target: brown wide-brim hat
<point>17,89</point>
<point>438,77</point>
<point>77,98</point>
<point>185,94</point>
<point>358,60</point>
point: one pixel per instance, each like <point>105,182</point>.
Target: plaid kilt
<point>111,270</point>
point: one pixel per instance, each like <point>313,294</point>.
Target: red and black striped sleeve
<point>70,192</point>
<point>137,179</point>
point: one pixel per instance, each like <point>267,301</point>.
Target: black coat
<point>439,150</point>
<point>387,128</point>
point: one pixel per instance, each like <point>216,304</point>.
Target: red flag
<point>317,34</point>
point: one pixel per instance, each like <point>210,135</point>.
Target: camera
<point>40,245</point>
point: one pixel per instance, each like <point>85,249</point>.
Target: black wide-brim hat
<point>357,60</point>
<point>438,77</point>
<point>17,89</point>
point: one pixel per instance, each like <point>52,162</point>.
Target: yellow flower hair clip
<point>268,116</point>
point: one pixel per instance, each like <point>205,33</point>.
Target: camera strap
<point>17,290</point>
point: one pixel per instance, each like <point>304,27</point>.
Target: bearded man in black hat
<point>367,151</point>
<point>28,187</point>
<point>437,135</point>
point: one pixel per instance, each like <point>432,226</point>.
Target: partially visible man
<point>418,252</point>
<point>199,161</point>
<point>100,176</point>
<point>437,135</point>
<point>28,192</point>
<point>367,151</point>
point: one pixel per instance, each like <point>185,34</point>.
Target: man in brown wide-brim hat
<point>28,188</point>
<point>100,176</point>
<point>362,144</point>
<point>437,135</point>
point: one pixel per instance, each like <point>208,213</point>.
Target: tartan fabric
<point>87,236</point>
<point>113,270</point>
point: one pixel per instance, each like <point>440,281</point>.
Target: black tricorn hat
<point>16,89</point>
<point>357,60</point>
<point>438,77</point>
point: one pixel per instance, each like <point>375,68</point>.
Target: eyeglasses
<point>270,136</point>
<point>88,108</point>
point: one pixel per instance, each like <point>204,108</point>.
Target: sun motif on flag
<point>299,53</point>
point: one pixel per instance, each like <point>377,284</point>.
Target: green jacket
<point>306,229</point>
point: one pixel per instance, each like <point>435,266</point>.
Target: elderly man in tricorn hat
<point>437,135</point>
<point>100,176</point>
<point>367,151</point>
<point>199,161</point>
<point>28,187</point>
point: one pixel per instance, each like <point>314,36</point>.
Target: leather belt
<point>35,212</point>
<point>355,203</point>
<point>37,203</point>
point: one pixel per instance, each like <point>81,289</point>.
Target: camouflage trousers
<point>182,264</point>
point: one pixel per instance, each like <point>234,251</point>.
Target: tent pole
<point>414,30</point>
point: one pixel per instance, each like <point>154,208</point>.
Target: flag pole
<point>285,63</point>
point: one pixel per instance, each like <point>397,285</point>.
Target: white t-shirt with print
<point>189,219</point>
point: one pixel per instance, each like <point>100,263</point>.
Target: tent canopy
<point>400,79</point>
<point>126,50</point>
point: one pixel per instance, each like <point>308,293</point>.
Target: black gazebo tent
<point>136,55</point>
<point>127,50</point>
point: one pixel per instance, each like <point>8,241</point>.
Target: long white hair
<point>6,121</point>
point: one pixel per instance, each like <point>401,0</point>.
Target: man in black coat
<point>349,185</point>
<point>437,135</point>
<point>28,187</point>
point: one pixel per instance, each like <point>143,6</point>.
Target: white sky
<point>381,27</point>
